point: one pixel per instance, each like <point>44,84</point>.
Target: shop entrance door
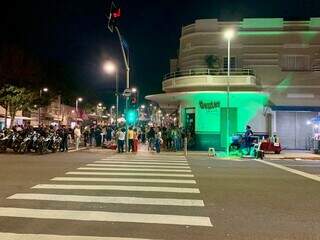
<point>233,121</point>
<point>293,130</point>
<point>190,119</point>
<point>190,126</point>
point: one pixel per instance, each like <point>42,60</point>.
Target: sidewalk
<point>285,154</point>
<point>293,154</point>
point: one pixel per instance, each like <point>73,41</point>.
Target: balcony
<point>208,79</point>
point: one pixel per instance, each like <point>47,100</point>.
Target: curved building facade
<point>274,81</point>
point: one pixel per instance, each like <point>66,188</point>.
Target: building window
<point>232,63</point>
<point>296,63</point>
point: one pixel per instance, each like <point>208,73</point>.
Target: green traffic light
<point>131,116</point>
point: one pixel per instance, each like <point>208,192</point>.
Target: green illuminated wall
<point>249,105</point>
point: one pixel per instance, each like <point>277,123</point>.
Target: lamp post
<point>39,109</point>
<point>111,112</point>
<point>229,34</point>
<point>80,99</point>
<point>110,68</point>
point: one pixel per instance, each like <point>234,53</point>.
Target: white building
<point>274,82</point>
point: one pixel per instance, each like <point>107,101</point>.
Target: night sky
<point>73,32</point>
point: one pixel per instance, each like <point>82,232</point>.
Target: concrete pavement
<point>104,196</point>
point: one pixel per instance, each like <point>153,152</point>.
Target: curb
<point>74,150</point>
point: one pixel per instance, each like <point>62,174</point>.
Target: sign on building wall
<point>209,105</point>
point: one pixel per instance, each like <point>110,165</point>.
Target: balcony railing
<point>211,72</point>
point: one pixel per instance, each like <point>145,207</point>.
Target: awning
<point>296,108</point>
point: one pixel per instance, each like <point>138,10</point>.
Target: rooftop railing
<point>208,71</point>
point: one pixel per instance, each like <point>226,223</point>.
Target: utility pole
<point>114,15</point>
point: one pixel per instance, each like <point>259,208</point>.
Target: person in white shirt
<point>77,136</point>
<point>121,137</point>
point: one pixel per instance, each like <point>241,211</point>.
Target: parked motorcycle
<point>12,141</point>
<point>53,142</point>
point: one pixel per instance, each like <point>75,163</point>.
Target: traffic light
<point>131,116</point>
<point>114,15</point>
<point>133,100</point>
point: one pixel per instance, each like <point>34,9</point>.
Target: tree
<point>15,99</point>
<point>212,62</point>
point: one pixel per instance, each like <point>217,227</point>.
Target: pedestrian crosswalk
<point>120,181</point>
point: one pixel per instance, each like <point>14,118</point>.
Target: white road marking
<point>16,236</point>
<point>297,165</point>
<point>117,188</point>
<point>105,216</point>
<point>303,174</point>
<point>148,156</point>
<point>135,166</point>
<point>143,163</point>
<point>106,199</point>
<point>140,180</point>
<point>131,174</point>
<point>134,169</point>
<point>144,160</point>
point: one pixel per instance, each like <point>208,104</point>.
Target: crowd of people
<point>95,135</point>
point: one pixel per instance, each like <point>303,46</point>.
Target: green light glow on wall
<point>262,23</point>
<point>261,33</point>
<point>307,37</point>
<point>314,23</point>
<point>244,107</point>
<point>285,83</point>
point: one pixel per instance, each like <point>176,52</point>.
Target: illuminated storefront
<point>205,114</point>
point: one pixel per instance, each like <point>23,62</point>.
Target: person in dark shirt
<point>248,138</point>
<point>64,133</point>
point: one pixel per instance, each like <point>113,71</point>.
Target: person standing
<point>158,140</point>
<point>248,138</point>
<point>91,135</point>
<point>109,133</point>
<point>86,134</point>
<point>97,136</point>
<point>77,136</point>
<point>130,138</point>
<point>135,140</point>
<point>151,136</point>
<point>121,137</point>
<point>64,137</point>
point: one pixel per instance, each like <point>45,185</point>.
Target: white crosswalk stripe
<point>133,169</point>
<point>106,199</point>
<point>118,188</point>
<point>143,163</point>
<point>138,180</point>
<point>143,160</point>
<point>135,166</point>
<point>131,174</point>
<point>105,216</point>
<point>15,236</point>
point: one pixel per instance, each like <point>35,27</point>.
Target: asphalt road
<point>100,196</point>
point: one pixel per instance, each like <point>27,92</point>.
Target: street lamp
<point>39,110</point>
<point>111,110</point>
<point>80,99</point>
<point>134,90</point>
<point>110,68</point>
<point>228,34</point>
